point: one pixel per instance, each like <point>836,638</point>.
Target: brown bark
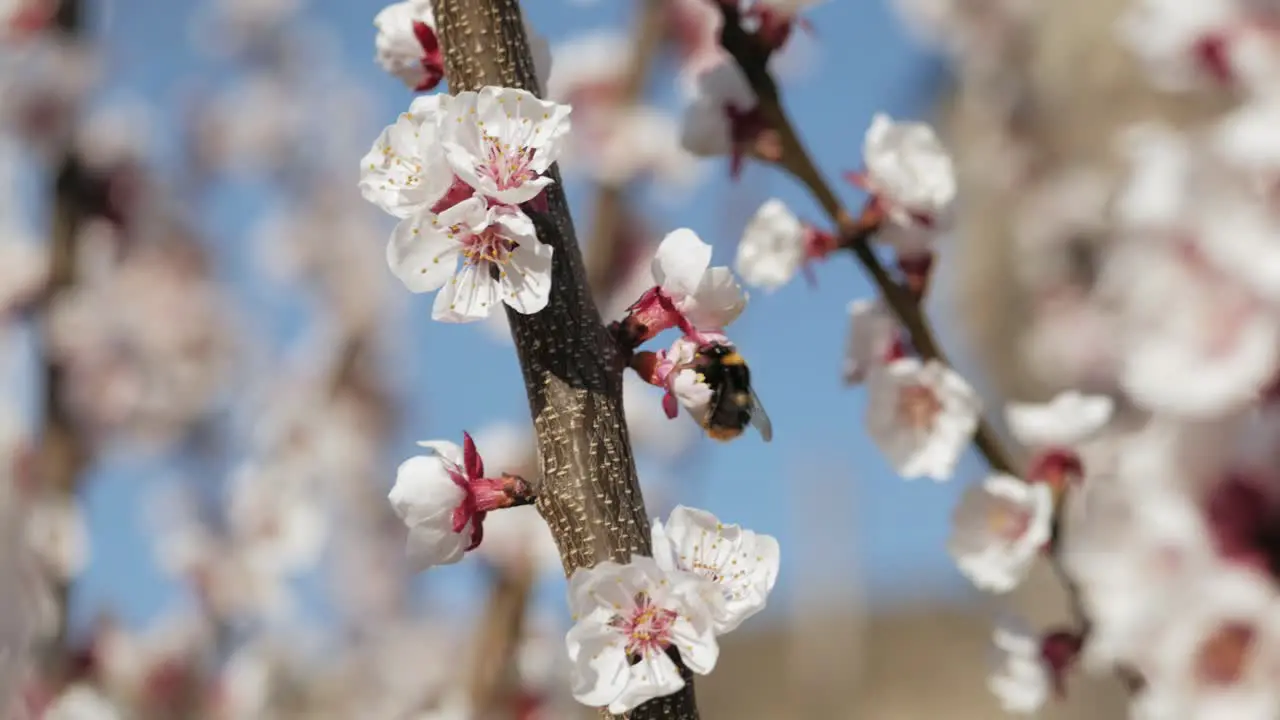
<point>589,493</point>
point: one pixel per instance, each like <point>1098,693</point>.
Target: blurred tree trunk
<point>1073,88</point>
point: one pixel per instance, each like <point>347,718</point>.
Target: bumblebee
<point>734,404</point>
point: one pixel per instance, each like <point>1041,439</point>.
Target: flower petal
<point>698,648</point>
<point>470,296</point>
<point>664,552</point>
<point>452,452</point>
<point>421,256</point>
<point>681,261</point>
<point>424,490</point>
<point>653,677</point>
<point>600,672</point>
<point>1069,419</point>
<point>526,282</point>
<point>718,301</point>
<point>433,544</point>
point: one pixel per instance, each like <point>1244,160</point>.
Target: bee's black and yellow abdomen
<point>723,434</point>
<point>726,373</point>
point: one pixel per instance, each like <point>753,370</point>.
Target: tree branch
<point>589,493</point>
<point>854,232</point>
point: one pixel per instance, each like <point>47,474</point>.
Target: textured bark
<point>589,493</point>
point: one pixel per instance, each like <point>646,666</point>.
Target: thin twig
<point>855,233</point>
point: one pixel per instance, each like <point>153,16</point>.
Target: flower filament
<point>506,164</point>
<point>647,629</point>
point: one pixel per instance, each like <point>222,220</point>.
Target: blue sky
<point>846,523</point>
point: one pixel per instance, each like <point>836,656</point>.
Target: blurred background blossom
<point>212,375</point>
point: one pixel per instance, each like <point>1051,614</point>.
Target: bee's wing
<point>760,418</point>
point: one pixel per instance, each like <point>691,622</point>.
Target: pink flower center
<point>918,407</point>
<point>507,165</point>
<point>647,628</point>
<point>1223,656</point>
<point>486,246</point>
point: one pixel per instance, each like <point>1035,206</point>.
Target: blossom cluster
<point>700,301</point>
<point>704,578</point>
<point>1152,289</point>
<point>461,172</point>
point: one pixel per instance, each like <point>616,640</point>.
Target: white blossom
<point>1170,39</point>
<point>424,254</point>
<point>636,612</point>
<point>405,173</point>
<point>1158,186</point>
<point>1133,541</point>
<point>908,170</point>
<point>590,64</point>
<point>277,516</point>
<point>998,529</point>
<point>412,53</point>
<point>399,46</point>
<point>1069,419</point>
<point>145,342</point>
<point>1217,659</point>
<point>722,89</point>
<point>873,332</point>
<point>502,141</point>
<point>742,565</point>
<point>252,126</point>
<point>81,702</point>
<point>772,247</point>
<point>709,297</point>
<point>424,497</point>
<point>1192,341</point>
<point>1022,681</point>
<point>638,141</point>
<point>922,416</point>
